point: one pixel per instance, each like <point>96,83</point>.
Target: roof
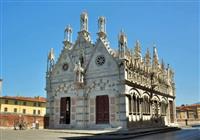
<point>32,99</point>
<point>188,107</point>
<point>185,109</point>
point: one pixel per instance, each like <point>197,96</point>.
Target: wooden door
<point>46,122</point>
<point>65,110</point>
<point>102,109</point>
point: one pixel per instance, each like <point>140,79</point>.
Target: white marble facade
<point>138,90</point>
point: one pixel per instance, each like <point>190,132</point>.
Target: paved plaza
<point>35,135</point>
<point>8,134</point>
<point>184,134</point>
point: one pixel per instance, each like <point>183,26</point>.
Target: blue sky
<point>29,29</point>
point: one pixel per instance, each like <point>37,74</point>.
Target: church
<point>91,85</point>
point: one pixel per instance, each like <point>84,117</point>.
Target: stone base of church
<point>118,115</point>
<point>125,126</point>
<point>122,125</point>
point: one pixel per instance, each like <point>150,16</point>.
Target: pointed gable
<point>64,63</point>
<point>102,59</point>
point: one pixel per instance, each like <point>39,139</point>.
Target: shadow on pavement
<point>122,134</point>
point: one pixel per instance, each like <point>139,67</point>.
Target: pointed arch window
<point>163,108</point>
<point>146,105</point>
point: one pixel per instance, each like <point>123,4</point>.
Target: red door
<point>102,109</point>
<point>65,110</point>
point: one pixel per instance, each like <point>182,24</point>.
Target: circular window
<point>65,66</point>
<point>100,60</point>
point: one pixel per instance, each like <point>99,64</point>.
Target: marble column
<point>140,108</point>
<point>136,112</point>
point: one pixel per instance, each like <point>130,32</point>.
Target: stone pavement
<point>85,131</point>
<point>64,134</point>
<point>112,134</point>
<point>30,134</point>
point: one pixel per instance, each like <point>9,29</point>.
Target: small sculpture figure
<point>78,73</point>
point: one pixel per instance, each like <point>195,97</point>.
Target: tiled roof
<point>188,107</point>
<point>33,99</point>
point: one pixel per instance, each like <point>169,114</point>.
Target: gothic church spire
<point>102,27</point>
<point>155,63</point>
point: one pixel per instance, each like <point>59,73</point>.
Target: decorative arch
<point>146,103</point>
<point>164,100</point>
<point>146,94</point>
<point>135,101</point>
<point>155,98</point>
<point>137,93</point>
<point>163,106</point>
<point>155,105</point>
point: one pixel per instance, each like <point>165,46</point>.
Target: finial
<point>84,21</point>
<point>68,28</point>
<point>137,50</point>
<point>155,53</point>
<point>155,58</point>
<point>50,61</point>
<point>122,43</point>
<point>51,55</point>
<point>162,65</point>
<point>148,53</point>
<point>148,57</point>
<point>102,26</point>
<point>122,37</point>
<point>137,43</point>
<point>68,33</point>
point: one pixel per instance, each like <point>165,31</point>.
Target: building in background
<point>22,109</point>
<point>94,86</point>
<point>188,114</point>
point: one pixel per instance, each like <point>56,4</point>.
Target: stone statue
<point>78,73</point>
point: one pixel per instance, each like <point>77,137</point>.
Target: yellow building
<point>189,112</point>
<point>188,115</point>
<point>26,109</point>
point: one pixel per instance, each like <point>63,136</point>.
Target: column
<point>150,103</point>
<point>136,108</point>
<point>140,108</point>
<point>131,104</point>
